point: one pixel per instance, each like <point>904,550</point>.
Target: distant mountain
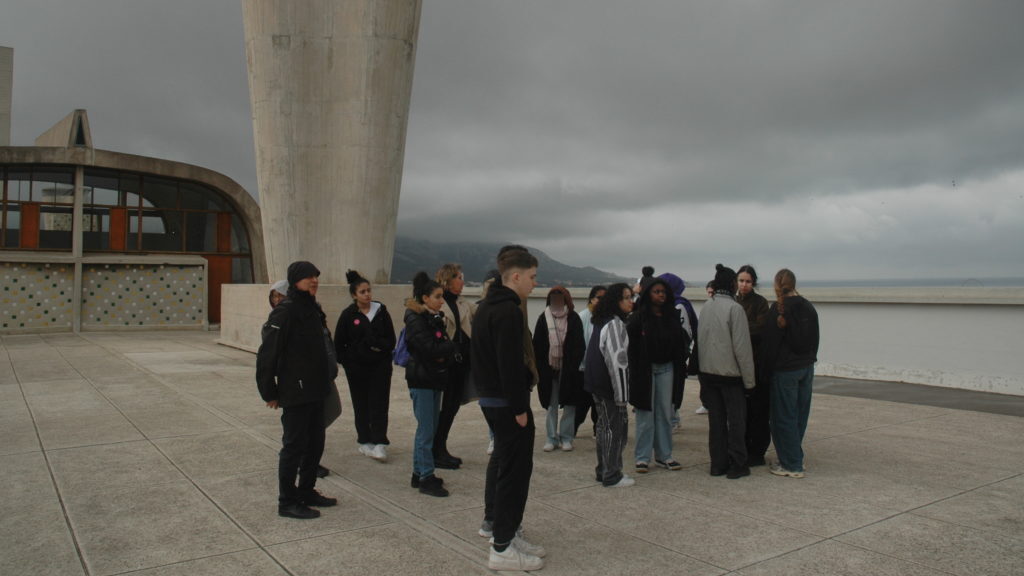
<point>477,258</point>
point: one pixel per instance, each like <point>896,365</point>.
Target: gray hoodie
<point>723,340</point>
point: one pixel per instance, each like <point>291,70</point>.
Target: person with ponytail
<point>606,378</point>
<point>791,349</point>
<point>431,355</point>
<point>363,339</point>
<point>759,434</point>
<point>726,362</point>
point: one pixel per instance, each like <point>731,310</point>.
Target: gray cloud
<point>820,135</point>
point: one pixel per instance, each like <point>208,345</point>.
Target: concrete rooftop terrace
<point>151,453</point>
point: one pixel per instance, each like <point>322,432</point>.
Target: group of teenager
<point>630,347</point>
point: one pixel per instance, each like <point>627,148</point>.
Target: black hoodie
<point>496,357</point>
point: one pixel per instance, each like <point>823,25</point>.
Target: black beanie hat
<point>301,270</point>
<point>725,278</point>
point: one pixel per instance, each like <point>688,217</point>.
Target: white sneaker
<point>566,446</point>
<point>623,482</point>
<point>379,452</point>
<point>366,450</point>
<point>701,410</point>
<point>526,547</point>
<point>548,447</point>
<point>490,447</point>
<point>513,559</point>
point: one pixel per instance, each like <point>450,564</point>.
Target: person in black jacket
<point>364,339</point>
<point>558,346</point>
<point>791,349</point>
<point>503,380</point>
<point>759,433</point>
<point>431,355</point>
<point>294,367</point>
<point>658,348</point>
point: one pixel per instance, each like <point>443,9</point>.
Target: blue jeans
<point>426,406</point>
<point>654,427</point>
<point>790,408</point>
<point>560,432</point>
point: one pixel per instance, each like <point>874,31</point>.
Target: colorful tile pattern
<point>36,296</point>
<point>142,295</point>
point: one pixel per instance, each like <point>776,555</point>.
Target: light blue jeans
<point>654,427</point>
<point>426,406</point>
<point>790,408</point>
<point>560,432</point>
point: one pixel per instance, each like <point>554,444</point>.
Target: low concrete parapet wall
<point>967,338</point>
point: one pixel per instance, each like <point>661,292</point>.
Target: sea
<point>981,282</point>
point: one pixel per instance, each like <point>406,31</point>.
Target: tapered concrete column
<point>330,82</point>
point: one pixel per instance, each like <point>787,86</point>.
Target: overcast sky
<point>845,140</point>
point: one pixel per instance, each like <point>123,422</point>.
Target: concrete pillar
<point>329,83</point>
<point>6,90</point>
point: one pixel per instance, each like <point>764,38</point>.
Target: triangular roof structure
<point>70,132</point>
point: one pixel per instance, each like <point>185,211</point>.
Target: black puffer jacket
<point>643,327</point>
<point>292,362</point>
<point>360,341</point>
<point>431,353</point>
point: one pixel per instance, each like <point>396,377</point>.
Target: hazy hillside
<point>478,257</point>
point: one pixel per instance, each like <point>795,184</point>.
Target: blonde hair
<point>785,285</point>
<point>446,273</point>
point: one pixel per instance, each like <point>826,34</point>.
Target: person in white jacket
<point>726,362</point>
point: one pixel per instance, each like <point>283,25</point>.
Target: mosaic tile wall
<point>142,295</point>
<point>36,295</point>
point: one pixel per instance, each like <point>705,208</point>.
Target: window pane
<point>55,227</point>
<point>19,186</point>
<point>241,271</point>
<point>161,230</point>
<point>53,186</point>
<point>160,193</point>
<point>101,188</point>
<point>96,229</point>
<point>12,233</point>
<point>196,197</point>
<point>239,239</point>
<point>130,190</point>
<point>201,232</point>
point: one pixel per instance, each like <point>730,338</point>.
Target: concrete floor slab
<point>146,526</point>
<point>943,546</point>
<point>831,558</point>
<point>247,563</point>
<point>712,535</point>
<point>219,455</point>
<point>251,502</point>
<point>105,467</point>
<point>374,551</point>
<point>892,488</point>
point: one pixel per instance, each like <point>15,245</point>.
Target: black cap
<point>301,270</point>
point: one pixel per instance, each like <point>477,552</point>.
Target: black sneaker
<point>317,499</point>
<point>737,472</point>
<point>718,472</point>
<point>755,461</point>
<point>297,511</point>
<point>446,463</point>
<point>415,482</point>
<point>433,486</point>
<point>322,472</point>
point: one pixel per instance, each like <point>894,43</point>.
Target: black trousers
<point>507,485</point>
<point>759,431</point>
<point>725,399</point>
<point>370,389</point>
<point>584,405</point>
<point>302,445</point>
<point>451,401</point>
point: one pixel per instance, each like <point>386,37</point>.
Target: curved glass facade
<point>123,212</point>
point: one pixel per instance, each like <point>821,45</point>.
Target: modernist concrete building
<point>330,83</point>
<point>94,239</point>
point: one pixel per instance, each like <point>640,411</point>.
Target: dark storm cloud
<point>825,136</point>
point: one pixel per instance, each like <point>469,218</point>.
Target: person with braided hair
<point>791,341</point>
